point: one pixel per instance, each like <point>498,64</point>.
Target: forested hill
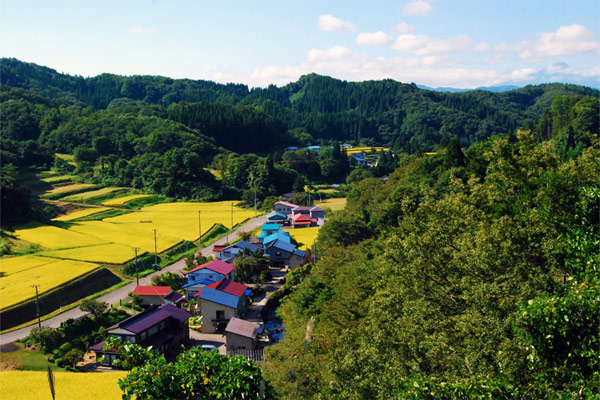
<point>314,108</point>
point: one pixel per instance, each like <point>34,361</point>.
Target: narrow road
<point>123,292</point>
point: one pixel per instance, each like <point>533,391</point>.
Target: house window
<point>143,335</point>
<point>210,276</point>
<point>193,277</point>
<point>162,325</point>
<point>220,314</point>
<point>130,339</point>
<point>278,254</point>
<point>153,330</point>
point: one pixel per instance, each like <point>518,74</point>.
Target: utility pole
<point>199,228</point>
<point>137,275</point>
<point>315,250</point>
<point>155,252</point>
<point>37,306</point>
<point>255,202</point>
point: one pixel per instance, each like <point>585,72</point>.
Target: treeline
<point>468,274</point>
<point>317,108</point>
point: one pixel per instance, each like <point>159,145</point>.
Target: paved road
<point>122,293</point>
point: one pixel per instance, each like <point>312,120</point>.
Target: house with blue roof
<point>267,229</point>
<point>316,149</point>
<point>277,218</point>
<point>279,235</point>
<point>234,250</point>
<point>284,254</point>
<point>218,307</point>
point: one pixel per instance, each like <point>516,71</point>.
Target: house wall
<point>317,214</point>
<point>237,342</point>
<point>146,300</point>
<point>283,209</point>
<point>209,312</point>
<point>204,273</point>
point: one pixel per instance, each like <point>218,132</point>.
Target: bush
<point>65,347</point>
<point>266,275</point>
<point>72,357</point>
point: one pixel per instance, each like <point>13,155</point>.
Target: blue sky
<point>455,43</point>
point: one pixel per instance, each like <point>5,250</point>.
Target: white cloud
<point>402,27</point>
<point>565,41</point>
<point>562,68</point>
<point>423,45</point>
<point>334,53</point>
<point>373,39</point>
<point>482,47</point>
<point>417,7</point>
<point>137,29</point>
<point>330,23</point>
<point>523,74</point>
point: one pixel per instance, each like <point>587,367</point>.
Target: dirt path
<point>122,293</point>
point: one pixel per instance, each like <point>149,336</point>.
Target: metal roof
<point>279,244</point>
<point>231,287</point>
<point>216,296</point>
<point>267,226</point>
<point>287,204</point>
<point>242,328</point>
<point>145,320</point>
<point>217,266</point>
<point>279,235</point>
<point>152,290</point>
<point>276,214</point>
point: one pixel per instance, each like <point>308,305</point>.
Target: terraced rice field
<point>304,236</point>
<point>19,273</point>
<point>110,253</point>
<point>180,220</point>
<point>356,150</point>
<point>33,385</point>
<point>333,204</point>
<point>52,237</point>
<point>137,235</point>
<point>91,194</point>
<point>122,200</point>
<point>57,178</point>
<point>81,213</point>
<point>67,188</point>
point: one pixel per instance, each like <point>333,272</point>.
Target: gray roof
<point>242,328</point>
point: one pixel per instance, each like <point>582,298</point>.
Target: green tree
<point>94,307</point>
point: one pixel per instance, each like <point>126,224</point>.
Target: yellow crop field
<point>68,188</point>
<point>304,236</point>
<point>33,385</point>
<point>53,237</point>
<point>181,220</point>
<point>57,178</point>
<point>15,287</point>
<point>92,193</point>
<point>81,213</point>
<point>333,204</point>
<point>12,265</point>
<point>356,150</point>
<point>139,235</point>
<point>122,200</point>
<point>110,253</point>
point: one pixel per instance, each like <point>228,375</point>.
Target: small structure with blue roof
<point>218,308</point>
<point>277,217</point>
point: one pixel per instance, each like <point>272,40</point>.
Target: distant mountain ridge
<point>495,89</point>
<point>314,108</point>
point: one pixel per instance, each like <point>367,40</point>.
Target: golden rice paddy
<point>91,194</point>
<point>33,385</point>
<point>53,237</point>
<point>333,204</point>
<point>20,273</point>
<point>182,220</point>
<point>110,253</point>
<point>122,200</point>
<point>68,188</point>
<point>356,150</point>
<point>304,236</point>
<point>81,213</point>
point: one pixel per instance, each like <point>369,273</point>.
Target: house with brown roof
<point>164,329</point>
<point>157,296</point>
<point>241,335</point>
<point>284,207</point>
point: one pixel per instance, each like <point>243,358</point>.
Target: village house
<point>284,207</point>
<point>207,274</point>
<point>217,308</point>
<point>277,218</point>
<point>236,249</point>
<point>163,329</point>
<point>241,335</point>
<point>157,296</point>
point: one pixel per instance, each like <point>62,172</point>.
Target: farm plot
<point>55,238</point>
<point>81,213</point>
<point>141,236</point>
<point>333,204</point>
<point>304,236</point>
<point>122,200</point>
<point>110,253</point>
<point>356,150</point>
<point>181,220</point>
<point>67,188</point>
<point>33,385</point>
<point>15,284</point>
<point>91,194</point>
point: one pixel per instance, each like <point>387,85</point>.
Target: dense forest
<point>465,275</point>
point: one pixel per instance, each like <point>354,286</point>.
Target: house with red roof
<point>303,221</point>
<point>206,274</point>
<point>157,296</point>
<point>164,329</point>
